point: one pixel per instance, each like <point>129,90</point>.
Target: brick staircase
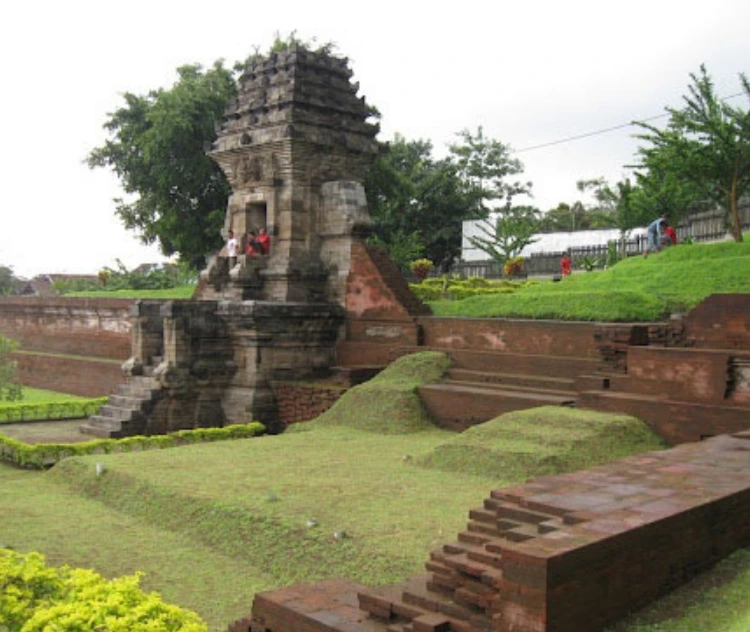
<point>126,411</point>
<point>466,579</point>
<point>482,385</point>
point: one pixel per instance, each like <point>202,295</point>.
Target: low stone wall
<point>300,401</point>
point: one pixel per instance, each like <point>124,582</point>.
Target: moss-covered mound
<point>389,402</point>
<point>547,440</point>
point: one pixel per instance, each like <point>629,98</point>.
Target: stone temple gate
<point>294,144</point>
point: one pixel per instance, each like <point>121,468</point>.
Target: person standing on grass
<point>231,249</point>
<point>565,264</point>
<point>654,233</point>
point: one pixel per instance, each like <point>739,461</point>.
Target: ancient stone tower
<point>294,145</point>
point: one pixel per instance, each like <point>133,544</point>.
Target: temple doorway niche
<point>256,216</point>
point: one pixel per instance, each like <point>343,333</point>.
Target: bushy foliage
<point>39,598</point>
<point>156,277</point>
<point>456,289</point>
<point>421,267</point>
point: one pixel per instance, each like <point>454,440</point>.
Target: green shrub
<point>38,598</point>
<point>74,409</point>
<point>44,455</point>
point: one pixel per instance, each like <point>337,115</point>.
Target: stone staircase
<point>482,385</point>
<point>126,411</point>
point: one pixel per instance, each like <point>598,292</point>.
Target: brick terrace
<point>564,553</point>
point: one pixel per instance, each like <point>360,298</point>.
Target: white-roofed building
<point>544,242</point>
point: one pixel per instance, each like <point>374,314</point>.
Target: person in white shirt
<point>231,249</point>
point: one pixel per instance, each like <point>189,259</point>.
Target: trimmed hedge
<point>76,409</point>
<point>455,289</point>
<point>44,455</point>
<point>35,597</point>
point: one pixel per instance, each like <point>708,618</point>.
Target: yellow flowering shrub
<point>38,598</point>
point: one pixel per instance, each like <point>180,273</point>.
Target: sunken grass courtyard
<point>364,492</point>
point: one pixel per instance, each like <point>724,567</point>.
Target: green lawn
<point>40,396</point>
<point>636,289</point>
<point>212,524</point>
<point>184,291</point>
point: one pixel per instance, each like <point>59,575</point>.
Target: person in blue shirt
<point>654,233</point>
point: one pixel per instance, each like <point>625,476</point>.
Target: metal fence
<point>705,226</point>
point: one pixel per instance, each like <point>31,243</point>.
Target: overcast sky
<point>530,72</point>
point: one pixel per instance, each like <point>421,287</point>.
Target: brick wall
<point>81,326</point>
<point>299,402</point>
<point>94,335</point>
<point>720,321</point>
<point>88,377</point>
<point>539,337</point>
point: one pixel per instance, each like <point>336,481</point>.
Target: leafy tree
<point>6,280</point>
<point>661,190</point>
<point>156,148</point>
<point>485,164</point>
<point>10,388</point>
<point>513,229</point>
<point>615,206</point>
<point>704,148</point>
<point>417,203</point>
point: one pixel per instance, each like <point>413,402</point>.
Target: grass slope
<point>636,289</point>
<point>212,524</point>
<point>539,441</point>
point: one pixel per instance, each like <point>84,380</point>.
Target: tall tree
<point>417,203</point>
<point>486,166</point>
<point>705,147</point>
<point>156,148</point>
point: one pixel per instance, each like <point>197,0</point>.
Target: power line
<point>605,130</point>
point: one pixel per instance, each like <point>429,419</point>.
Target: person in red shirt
<point>671,234</point>
<point>264,241</point>
<point>565,264</point>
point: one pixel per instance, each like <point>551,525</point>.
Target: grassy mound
<point>636,289</point>
<point>388,403</point>
<point>547,440</point>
